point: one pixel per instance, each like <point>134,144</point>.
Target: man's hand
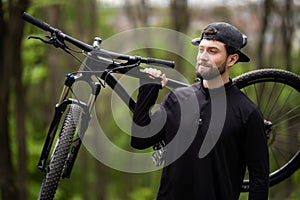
<point>155,73</point>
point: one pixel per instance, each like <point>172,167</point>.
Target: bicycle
<point>275,91</point>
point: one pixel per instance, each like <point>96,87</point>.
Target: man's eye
<point>213,51</point>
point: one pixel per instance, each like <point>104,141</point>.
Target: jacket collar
<point>205,90</point>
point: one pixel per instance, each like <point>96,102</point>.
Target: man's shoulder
<point>242,104</point>
<point>241,98</point>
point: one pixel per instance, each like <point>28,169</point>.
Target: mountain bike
<point>275,91</point>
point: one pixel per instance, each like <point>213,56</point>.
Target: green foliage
<point>34,70</point>
<point>37,4</point>
<point>142,193</point>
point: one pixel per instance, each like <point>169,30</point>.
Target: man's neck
<point>216,82</point>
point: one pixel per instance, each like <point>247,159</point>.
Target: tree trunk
<point>7,184</point>
<point>287,27</point>
<point>16,31</point>
<point>180,23</point>
<point>53,66</point>
<point>11,70</point>
<point>264,26</point>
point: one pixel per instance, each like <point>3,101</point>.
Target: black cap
<point>227,34</point>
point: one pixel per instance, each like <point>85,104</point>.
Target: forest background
<point>31,76</point>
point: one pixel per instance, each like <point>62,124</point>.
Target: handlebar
<point>46,27</point>
<point>88,48</point>
<point>113,55</point>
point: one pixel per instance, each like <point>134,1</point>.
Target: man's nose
<point>202,55</point>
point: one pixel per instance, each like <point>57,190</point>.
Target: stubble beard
<point>212,72</point>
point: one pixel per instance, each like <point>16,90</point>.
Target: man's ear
<point>232,59</point>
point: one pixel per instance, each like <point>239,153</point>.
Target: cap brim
<point>242,56</point>
<point>196,41</point>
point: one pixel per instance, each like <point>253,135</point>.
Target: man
<point>212,131</point>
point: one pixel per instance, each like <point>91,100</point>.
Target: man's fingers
<point>164,81</point>
<point>153,72</point>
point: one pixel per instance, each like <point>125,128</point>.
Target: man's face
<point>211,59</point>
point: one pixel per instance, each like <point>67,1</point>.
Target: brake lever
<point>41,39</point>
<point>53,40</point>
<point>125,67</point>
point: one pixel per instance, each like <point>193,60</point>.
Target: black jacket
<point>211,137</point>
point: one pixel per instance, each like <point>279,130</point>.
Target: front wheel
<point>277,94</point>
<point>60,153</point>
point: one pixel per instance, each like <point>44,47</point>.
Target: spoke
<point>282,139</point>
<point>284,149</point>
<point>282,153</point>
<point>287,100</point>
<point>258,97</point>
<point>275,125</point>
<point>269,99</point>
<point>275,101</point>
<point>286,114</point>
<point>275,159</point>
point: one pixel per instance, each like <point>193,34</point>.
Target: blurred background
<point>31,76</point>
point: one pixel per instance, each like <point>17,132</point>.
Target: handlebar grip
<point>37,22</point>
<point>158,62</point>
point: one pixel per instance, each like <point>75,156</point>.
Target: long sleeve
<point>146,127</point>
<point>257,157</point>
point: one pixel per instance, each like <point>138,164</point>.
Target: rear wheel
<point>60,153</point>
<point>277,93</point>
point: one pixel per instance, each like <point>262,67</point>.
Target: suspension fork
<point>60,107</point>
<point>85,119</point>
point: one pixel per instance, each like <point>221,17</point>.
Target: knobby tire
<point>60,153</point>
